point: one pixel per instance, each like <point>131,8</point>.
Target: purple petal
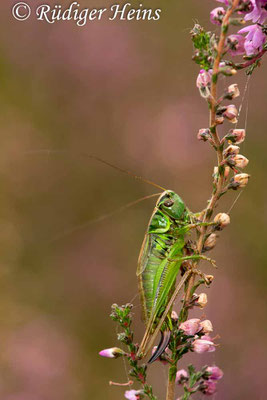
<point>250,49</point>
<point>247,29</point>
<point>258,38</point>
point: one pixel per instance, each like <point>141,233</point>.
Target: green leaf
<point>252,67</point>
<point>203,43</point>
<point>191,369</point>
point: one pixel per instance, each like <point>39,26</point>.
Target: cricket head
<point>171,204</point>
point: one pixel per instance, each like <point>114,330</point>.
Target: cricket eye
<point>168,203</point>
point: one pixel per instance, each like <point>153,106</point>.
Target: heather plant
<point>240,43</point>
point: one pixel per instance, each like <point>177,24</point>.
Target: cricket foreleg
<point>192,226</point>
<point>195,257</point>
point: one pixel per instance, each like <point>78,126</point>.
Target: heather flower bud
<point>231,113</point>
<point>191,326</point>
<point>245,6</point>
<point>226,171</point>
<point>181,376</point>
<point>226,2</point>
<point>221,65</point>
<point>174,316</point>
<point>203,346</point>
<point>228,71</point>
<point>240,161</point>
<point>113,352</point>
<point>203,83</point>
<point>133,394</point>
<point>236,45</point>
<point>236,135</point>
<point>209,279</point>
<point>215,373</point>
<point>222,219</point>
<point>216,15</point>
<point>239,181</point>
<point>219,120</point>
<point>231,150</point>
<point>206,326</point>
<point>202,300</point>
<point>207,337</point>
<point>203,79</point>
<point>209,388</point>
<point>232,91</point>
<point>210,242</point>
<point>203,134</point>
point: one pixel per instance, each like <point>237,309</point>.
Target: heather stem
<point>219,148</point>
<point>171,385</point>
<point>213,105</point>
<point>246,64</point>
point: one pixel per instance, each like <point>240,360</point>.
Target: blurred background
<point>123,91</point>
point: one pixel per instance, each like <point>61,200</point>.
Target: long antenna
<point>91,156</point>
<point>84,225</point>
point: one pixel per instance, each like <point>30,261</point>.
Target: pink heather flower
<point>202,300</point>
<point>233,91</point>
<point>236,44</point>
<point>230,112</point>
<point>181,376</point>
<point>246,6</point>
<point>174,316</point>
<point>191,326</point>
<point>239,180</point>
<point>210,242</point>
<point>207,337</point>
<point>254,40</point>
<point>113,352</point>
<point>204,134</point>
<point>203,345</point>
<point>210,387</point>
<point>226,2</point>
<point>259,12</point>
<point>221,65</point>
<point>236,135</point>
<point>133,394</point>
<point>231,150</point>
<point>203,79</point>
<point>216,373</point>
<point>240,161</point>
<point>222,219</point>
<point>216,15</point>
<point>206,326</point>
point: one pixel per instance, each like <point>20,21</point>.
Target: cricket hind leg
<point>161,347</point>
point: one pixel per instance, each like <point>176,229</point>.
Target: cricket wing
<point>152,252</point>
<point>143,261</point>
<point>164,283</point>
